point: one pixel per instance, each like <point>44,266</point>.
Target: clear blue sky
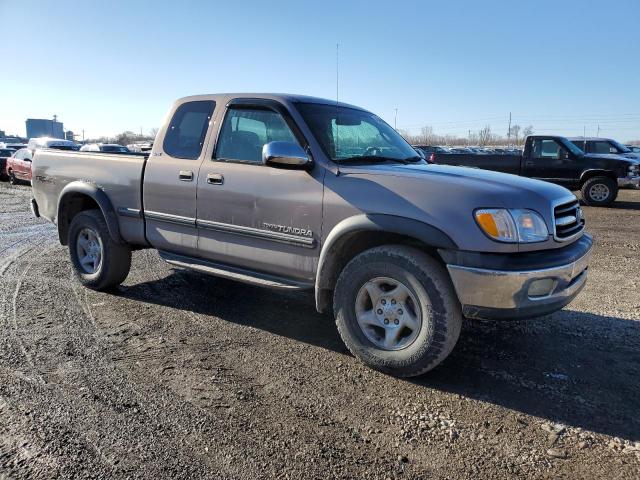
<point>111,66</point>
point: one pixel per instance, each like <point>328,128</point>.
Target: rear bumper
<point>505,293</point>
<point>629,182</point>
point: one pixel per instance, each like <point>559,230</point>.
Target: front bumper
<point>530,290</point>
<point>629,182</point>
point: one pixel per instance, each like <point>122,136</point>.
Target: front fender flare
<point>325,275</point>
<point>97,195</point>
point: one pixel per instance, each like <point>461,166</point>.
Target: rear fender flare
<point>97,195</point>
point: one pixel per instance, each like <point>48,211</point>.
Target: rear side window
<point>187,129</point>
<point>245,131</point>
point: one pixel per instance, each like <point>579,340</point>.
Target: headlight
<point>512,225</point>
<point>633,170</point>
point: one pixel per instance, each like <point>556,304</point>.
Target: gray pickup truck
<point>295,192</point>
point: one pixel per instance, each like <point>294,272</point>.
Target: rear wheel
<point>396,310</point>
<point>12,178</point>
<point>99,262</point>
<point>599,191</point>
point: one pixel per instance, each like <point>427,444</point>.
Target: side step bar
<point>233,273</point>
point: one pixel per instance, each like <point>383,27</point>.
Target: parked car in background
<point>48,142</point>
<point>105,148</point>
<point>13,145</point>
<point>264,189</point>
<point>558,160</point>
<point>19,166</point>
<point>603,146</point>
<point>429,149</point>
<point>5,153</point>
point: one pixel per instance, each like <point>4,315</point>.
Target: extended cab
<point>558,160</point>
<point>300,193</point>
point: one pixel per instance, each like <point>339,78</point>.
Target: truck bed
<point>119,176</point>
<point>498,163</point>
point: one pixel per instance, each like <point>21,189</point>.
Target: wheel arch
<point>356,234</point>
<point>596,172</point>
<point>79,196</point>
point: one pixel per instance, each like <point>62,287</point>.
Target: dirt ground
<point>180,375</point>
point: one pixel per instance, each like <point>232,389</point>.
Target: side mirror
<point>285,154</point>
<point>564,155</point>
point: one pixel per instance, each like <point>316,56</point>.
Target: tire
<point>431,296</point>
<point>89,235</point>
<point>599,191</point>
<point>12,179</point>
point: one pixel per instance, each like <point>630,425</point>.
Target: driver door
<point>254,216</point>
<point>550,161</point>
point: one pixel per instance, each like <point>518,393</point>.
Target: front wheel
<point>99,262</point>
<point>599,191</point>
<point>397,311</point>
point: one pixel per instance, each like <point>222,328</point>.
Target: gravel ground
<point>179,375</point>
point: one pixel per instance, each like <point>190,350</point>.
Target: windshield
<point>621,148</point>
<point>349,134</point>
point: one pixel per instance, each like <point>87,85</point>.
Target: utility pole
<point>509,131</point>
<point>395,120</point>
<point>469,141</point>
<point>83,135</point>
<point>584,131</point>
<point>337,71</point>
<point>598,131</point>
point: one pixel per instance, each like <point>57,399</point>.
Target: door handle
<point>528,163</point>
<point>185,175</point>
<point>215,179</point>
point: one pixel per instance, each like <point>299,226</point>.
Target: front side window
<point>187,129</point>
<point>246,130</point>
<point>349,134</point>
<point>546,149</point>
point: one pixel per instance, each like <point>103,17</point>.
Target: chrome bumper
<point>495,294</point>
<point>629,182</point>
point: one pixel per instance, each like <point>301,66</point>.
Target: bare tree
<point>515,132</point>
<point>526,131</point>
<point>485,136</point>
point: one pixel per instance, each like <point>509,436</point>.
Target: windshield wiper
<point>378,158</point>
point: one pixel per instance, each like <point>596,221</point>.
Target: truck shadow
<point>576,368</point>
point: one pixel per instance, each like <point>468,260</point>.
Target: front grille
<point>568,220</point>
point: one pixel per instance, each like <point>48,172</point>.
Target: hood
<point>446,196</point>
<point>626,157</point>
<point>502,189</point>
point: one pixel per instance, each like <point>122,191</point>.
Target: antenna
<point>337,91</point>
<point>337,71</point>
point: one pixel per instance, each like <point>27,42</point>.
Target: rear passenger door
<point>170,179</point>
<point>253,216</point>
